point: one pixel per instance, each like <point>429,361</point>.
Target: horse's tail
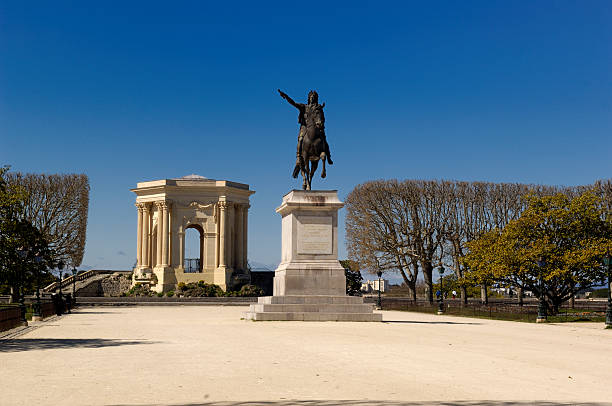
<point>296,171</point>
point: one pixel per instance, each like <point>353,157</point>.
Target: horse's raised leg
<point>304,176</point>
<point>323,172</point>
<point>307,172</point>
<point>313,169</point>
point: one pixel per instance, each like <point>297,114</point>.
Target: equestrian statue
<point>312,144</point>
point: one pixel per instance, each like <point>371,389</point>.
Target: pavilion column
<point>164,234</point>
<point>158,234</point>
<point>181,240</point>
<point>146,241</point>
<point>223,234</point>
<point>230,250</point>
<point>169,234</point>
<point>238,240</point>
<point>245,234</point>
<point>139,237</point>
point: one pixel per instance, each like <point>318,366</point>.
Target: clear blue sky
<point>508,91</point>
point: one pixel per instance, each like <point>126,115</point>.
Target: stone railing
<point>79,277</point>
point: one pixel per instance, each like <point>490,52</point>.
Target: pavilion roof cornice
<point>170,187</point>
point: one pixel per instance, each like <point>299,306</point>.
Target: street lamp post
<point>441,302</point>
<point>608,263</point>
<point>22,309</point>
<point>74,273</point>
<point>542,318</point>
<point>60,267</point>
<point>37,316</point>
<point>378,301</point>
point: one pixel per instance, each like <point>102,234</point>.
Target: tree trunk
<point>484,296</point>
<point>415,273</point>
<point>556,302</point>
<point>428,274</point>
<point>14,294</point>
<point>462,289</point>
<point>412,288</point>
<point>520,296</point>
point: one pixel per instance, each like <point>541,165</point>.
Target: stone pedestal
<point>309,283</point>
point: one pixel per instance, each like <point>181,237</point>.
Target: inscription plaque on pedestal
<point>314,235</point>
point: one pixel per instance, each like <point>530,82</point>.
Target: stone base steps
<point>311,299</point>
<point>312,308</point>
<point>312,316</point>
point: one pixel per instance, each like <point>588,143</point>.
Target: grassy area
<point>503,313</point>
<point>587,318</point>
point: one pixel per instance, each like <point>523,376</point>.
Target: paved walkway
<point>207,355</point>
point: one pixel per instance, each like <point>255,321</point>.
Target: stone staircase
<point>86,283</point>
<point>312,308</point>
<point>86,287</point>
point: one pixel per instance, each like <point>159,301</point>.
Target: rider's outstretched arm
<point>289,99</point>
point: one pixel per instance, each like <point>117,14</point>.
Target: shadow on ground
<point>27,344</point>
<point>384,403</point>
<point>86,312</point>
<point>427,322</point>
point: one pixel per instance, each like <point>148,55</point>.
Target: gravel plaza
<point>177,355</point>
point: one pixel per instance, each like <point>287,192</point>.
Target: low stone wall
<point>161,301</point>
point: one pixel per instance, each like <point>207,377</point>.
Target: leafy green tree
<point>24,251</point>
<point>554,249</point>
<point>11,206</point>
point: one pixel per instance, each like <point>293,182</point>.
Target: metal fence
<point>501,309</point>
<point>10,317</point>
<point>192,265</point>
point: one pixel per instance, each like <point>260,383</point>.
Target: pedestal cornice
<point>316,200</point>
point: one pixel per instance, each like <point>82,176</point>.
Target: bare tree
<point>413,225</point>
<point>467,221</point>
<point>398,226</point>
<point>431,219</point>
<point>57,205</point>
<point>375,238</point>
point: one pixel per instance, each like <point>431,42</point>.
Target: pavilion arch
<point>168,207</point>
<point>202,240</point>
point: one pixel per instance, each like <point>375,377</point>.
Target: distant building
<point>372,286</point>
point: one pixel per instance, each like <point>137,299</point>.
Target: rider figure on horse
<point>313,101</point>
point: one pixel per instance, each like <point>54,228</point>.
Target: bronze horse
<point>313,144</point>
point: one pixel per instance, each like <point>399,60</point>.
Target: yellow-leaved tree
<point>555,248</point>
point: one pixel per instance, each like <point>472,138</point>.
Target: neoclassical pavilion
<point>217,209</point>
